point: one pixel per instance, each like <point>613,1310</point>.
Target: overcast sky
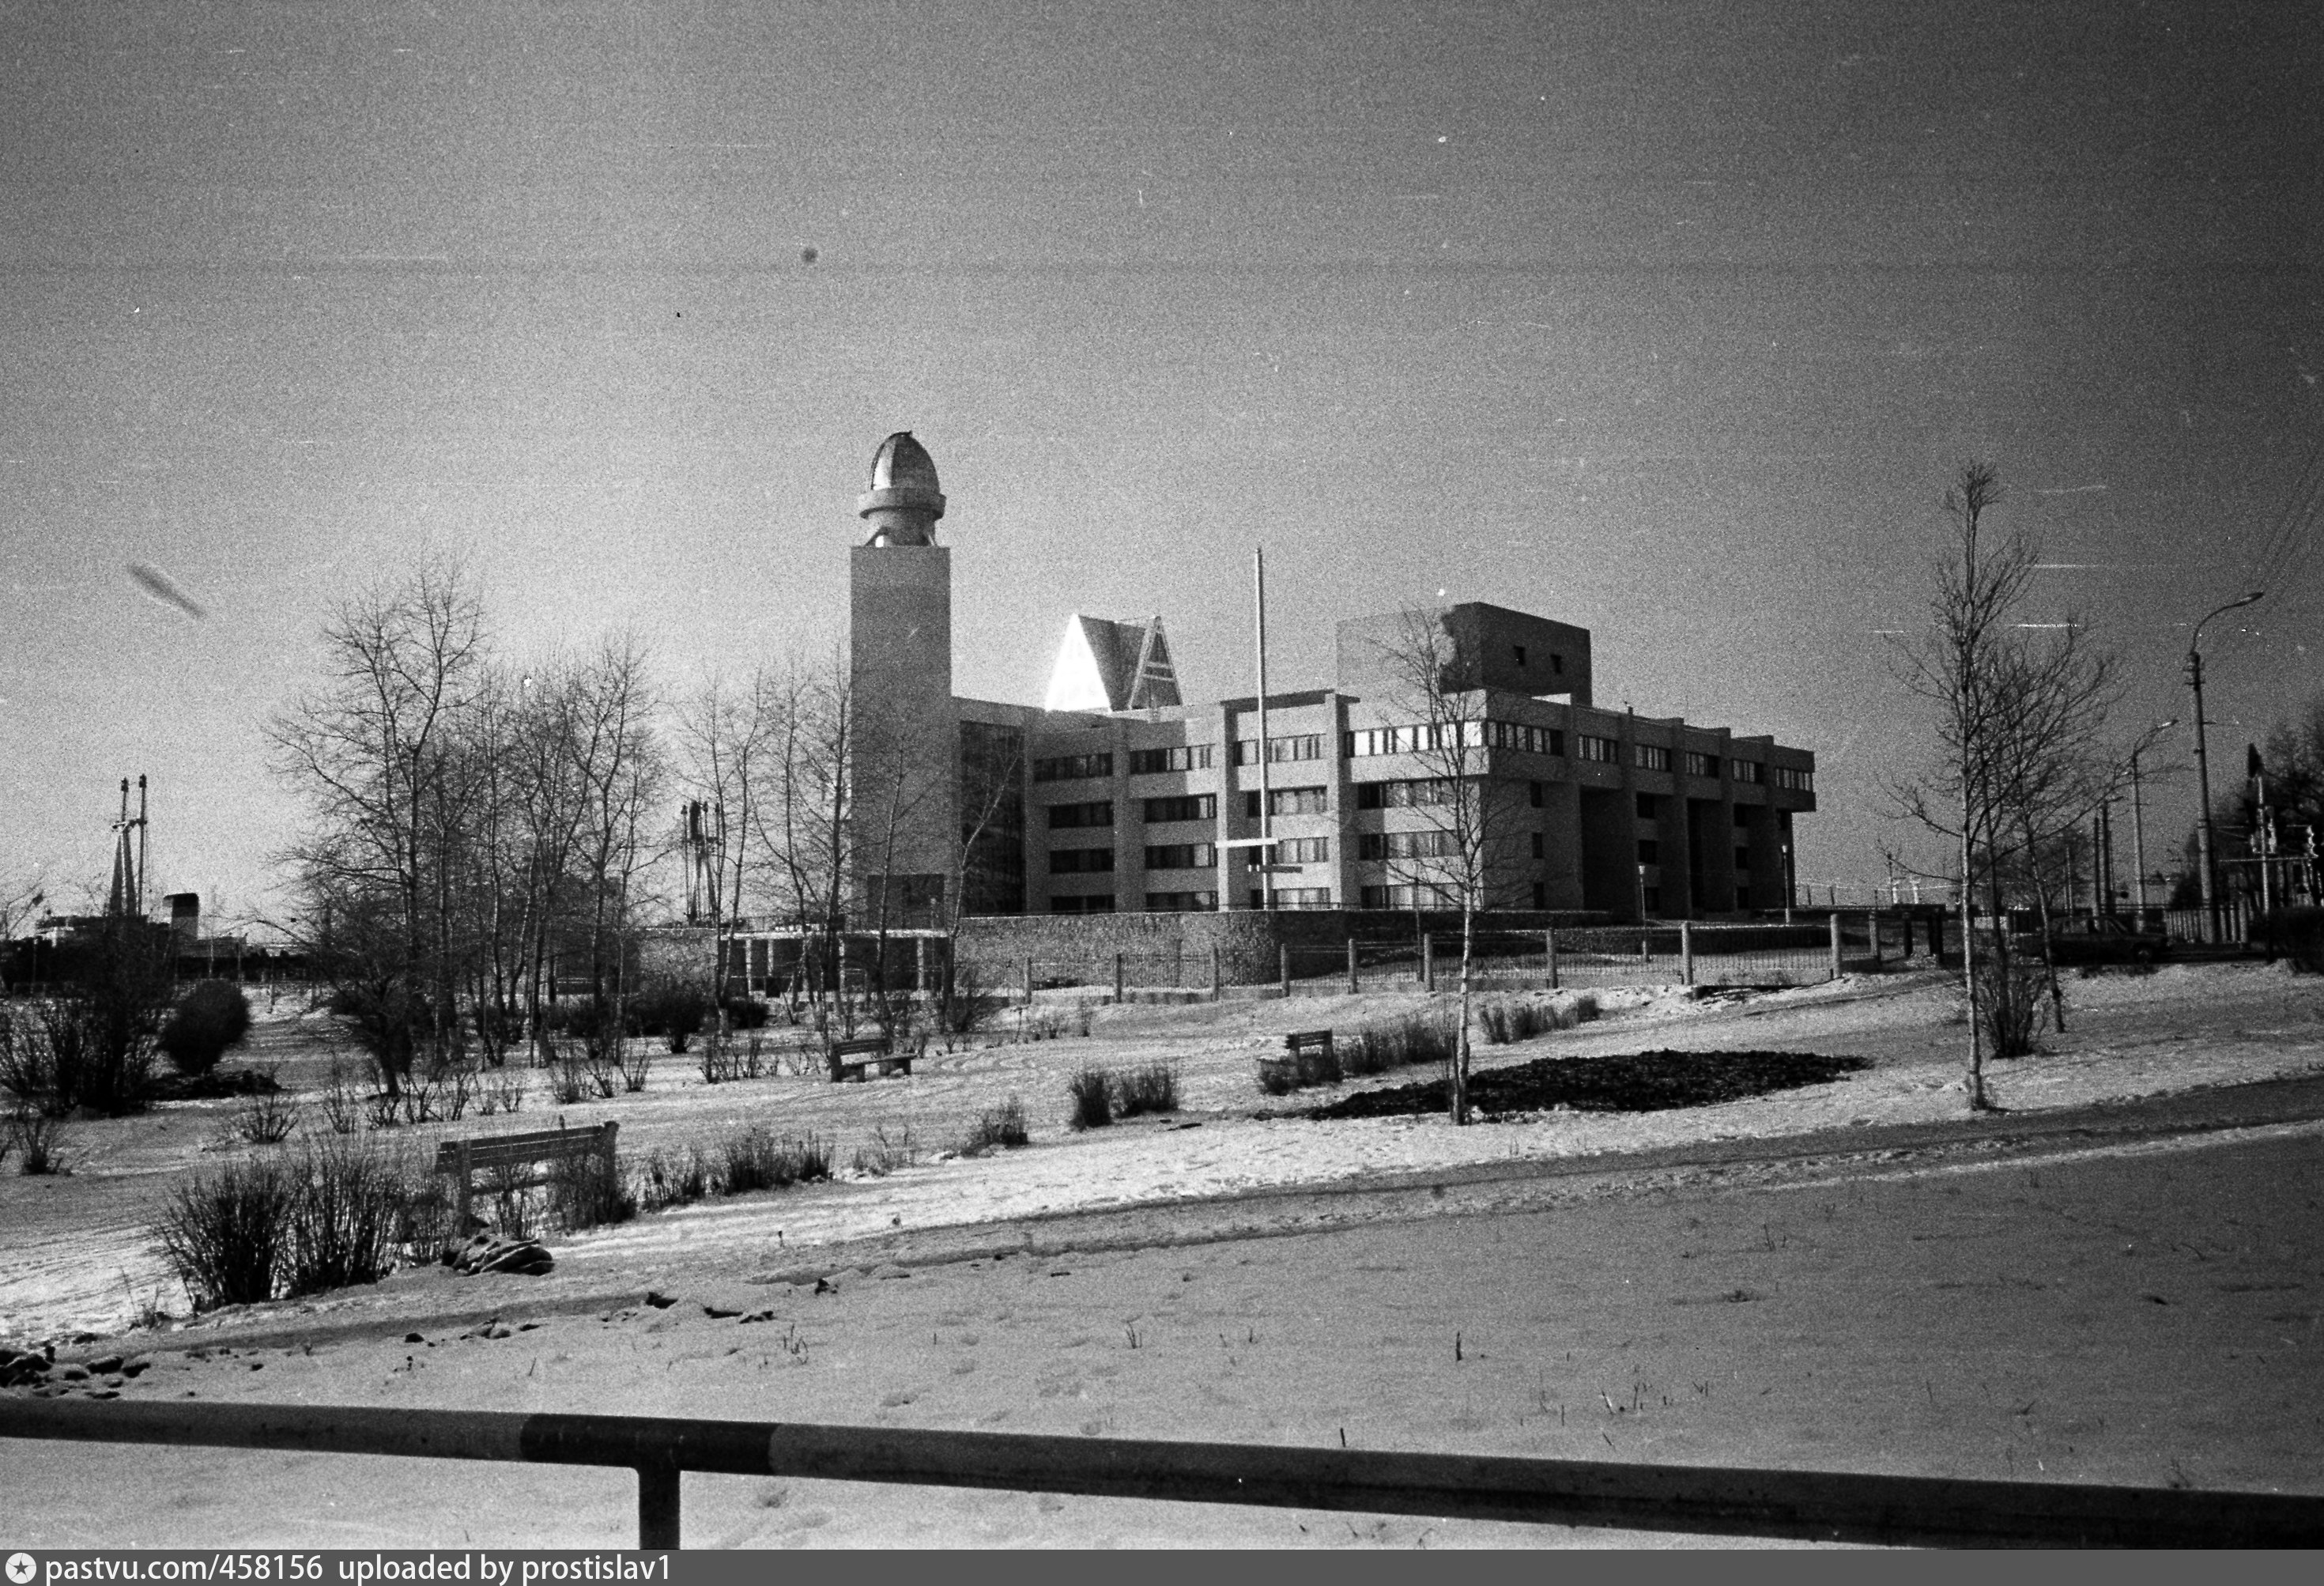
<point>1669,320</point>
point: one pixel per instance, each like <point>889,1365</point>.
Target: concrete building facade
<point>1134,801</point>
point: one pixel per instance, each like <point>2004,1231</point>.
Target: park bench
<point>497,1154</point>
<point>863,1049</point>
<point>1307,1059</point>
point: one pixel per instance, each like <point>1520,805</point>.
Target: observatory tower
<point>907,755</point>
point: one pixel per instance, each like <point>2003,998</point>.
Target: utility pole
<point>2211,930</point>
<point>2138,839</point>
<point>1266,811</point>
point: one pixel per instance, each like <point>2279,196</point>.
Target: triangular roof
<point>1105,665</point>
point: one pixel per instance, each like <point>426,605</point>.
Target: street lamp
<point>2203,763</point>
<point>2137,819</point>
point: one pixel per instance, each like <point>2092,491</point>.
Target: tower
<point>905,759</point>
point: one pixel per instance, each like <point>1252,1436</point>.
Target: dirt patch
<point>1638,1082</point>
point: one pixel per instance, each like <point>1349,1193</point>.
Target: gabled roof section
<point>1104,665</point>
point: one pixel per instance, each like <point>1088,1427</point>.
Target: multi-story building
<point>1382,791</point>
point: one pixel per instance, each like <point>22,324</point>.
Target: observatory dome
<point>904,501</point>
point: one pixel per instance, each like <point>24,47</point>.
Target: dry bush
<point>1091,1091</point>
<point>886,1152</point>
<point>1153,1088</point>
<point>341,1213</point>
<point>266,1118</point>
<point>1002,1126</point>
<point>33,1138</point>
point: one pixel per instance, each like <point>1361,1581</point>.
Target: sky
<point>1669,320</point>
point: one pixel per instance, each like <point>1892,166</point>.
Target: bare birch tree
<point>1462,859</point>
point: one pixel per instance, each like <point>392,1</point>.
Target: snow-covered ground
<point>76,1253</point>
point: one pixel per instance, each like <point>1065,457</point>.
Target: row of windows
<point>1299,746</point>
<point>1401,795</point>
<point>1744,770</point>
<point>1604,751</point>
<point>1405,845</point>
<point>1182,757</point>
<point>1653,757</point>
<point>1423,793</point>
<point>1195,902</point>
<point>1416,895</point>
<point>1287,801</point>
<point>1293,898</point>
<point>1070,862</point>
<point>1066,768</point>
<point>1531,740</point>
<point>1180,902</point>
<point>1101,904</point>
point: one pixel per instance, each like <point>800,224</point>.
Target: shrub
<point>341,1213</point>
<point>2009,999</point>
<point>1376,1048</point>
<point>225,1233</point>
<point>209,1018</point>
<point>674,1010</point>
<point>887,1152</point>
<point>32,1138</point>
<point>755,1159</point>
<point>746,1013</point>
<point>265,1118</point>
<point>342,1107</point>
<point>1092,1092</point>
<point>1519,1019</point>
<point>1002,1126</point>
<point>1151,1089</point>
<point>588,1191</point>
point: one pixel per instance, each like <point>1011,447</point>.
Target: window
<point>1530,739</point>
<point>1533,794</point>
<point>1300,746</point>
<point>1068,768</point>
<point>1794,779</point>
<point>1422,895</point>
<point>1187,806</point>
<point>1293,898</point>
<point>1097,813</point>
<point>1556,663</point>
<point>1101,904</point>
<point>1648,807</point>
<point>1702,765</point>
<point>1520,653</point>
<point>1073,861</point>
<point>1539,851</point>
<point>1183,757</point>
<point>1541,894</point>
<point>1429,845</point>
<point>1285,801</point>
<point>1180,902</point>
<point>1649,851</point>
<point>1181,856</point>
<point>1604,751</point>
<point>1416,795</point>
<point>1299,851</point>
<point>1742,858</point>
<point>1742,815</point>
<point>1653,899</point>
<point>1744,770</point>
<point>1653,757</point>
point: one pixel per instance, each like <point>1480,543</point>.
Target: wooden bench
<point>495,1154</point>
<point>866,1049</point>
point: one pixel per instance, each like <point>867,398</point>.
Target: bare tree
<point>2020,713</point>
<point>1461,859</point>
<point>371,750</point>
<point>723,736</point>
<point>800,824</point>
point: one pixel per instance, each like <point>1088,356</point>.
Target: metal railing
<point>1818,1505</point>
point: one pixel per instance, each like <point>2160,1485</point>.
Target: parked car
<point>2107,938</point>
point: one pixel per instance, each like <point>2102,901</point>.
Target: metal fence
<point>1699,1499</point>
<point>1688,953</point>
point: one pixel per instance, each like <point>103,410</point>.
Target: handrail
<point>1818,1505</point>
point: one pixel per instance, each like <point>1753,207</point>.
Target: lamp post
<point>2203,763</point>
<point>2137,817</point>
